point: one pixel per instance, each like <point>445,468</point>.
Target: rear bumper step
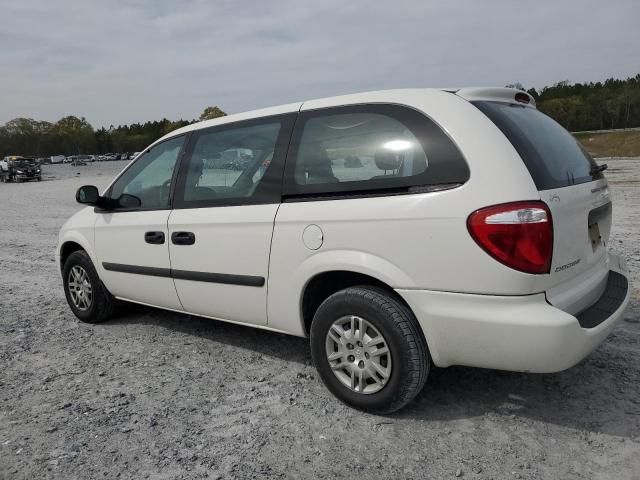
<point>609,302</point>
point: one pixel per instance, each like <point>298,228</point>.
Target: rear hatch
<point>572,185</point>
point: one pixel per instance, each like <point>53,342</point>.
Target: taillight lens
<point>518,234</point>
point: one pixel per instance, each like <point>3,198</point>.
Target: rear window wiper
<point>596,169</point>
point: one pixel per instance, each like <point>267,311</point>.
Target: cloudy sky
<point>126,61</point>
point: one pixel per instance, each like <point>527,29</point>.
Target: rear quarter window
<point>552,155</point>
<point>370,149</point>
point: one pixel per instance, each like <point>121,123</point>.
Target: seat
<point>313,166</point>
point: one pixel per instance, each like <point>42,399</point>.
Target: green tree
<point>76,135</point>
<point>210,113</point>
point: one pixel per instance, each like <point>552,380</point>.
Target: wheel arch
<point>322,285</point>
<point>73,241</point>
<point>66,249</point>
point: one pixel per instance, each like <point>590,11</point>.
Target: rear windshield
<point>551,154</point>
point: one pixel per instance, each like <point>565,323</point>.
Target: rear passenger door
<point>227,195</point>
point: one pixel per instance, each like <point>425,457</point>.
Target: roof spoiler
<point>496,94</point>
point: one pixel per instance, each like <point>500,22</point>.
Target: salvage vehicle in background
<point>19,169</point>
<point>396,229</point>
<point>77,160</point>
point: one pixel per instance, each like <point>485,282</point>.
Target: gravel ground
<point>154,394</point>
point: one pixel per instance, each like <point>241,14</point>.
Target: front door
<point>227,196</point>
<point>132,241</point>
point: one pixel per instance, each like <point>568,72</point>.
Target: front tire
<point>86,294</point>
<point>369,349</point>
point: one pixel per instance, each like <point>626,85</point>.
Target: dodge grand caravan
<point>396,229</point>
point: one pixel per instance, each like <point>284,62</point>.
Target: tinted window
<point>229,163</point>
<point>149,177</point>
<point>235,164</point>
<point>370,147</point>
<point>551,154</point>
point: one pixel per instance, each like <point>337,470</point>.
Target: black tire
<point>404,338</point>
<point>102,305</point>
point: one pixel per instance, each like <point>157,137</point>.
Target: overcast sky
<point>126,61</point>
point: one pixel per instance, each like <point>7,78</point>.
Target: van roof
<point>468,93</point>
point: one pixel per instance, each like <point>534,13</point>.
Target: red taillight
<point>518,234</point>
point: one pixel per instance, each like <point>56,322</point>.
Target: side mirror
<point>129,201</point>
<point>88,195</point>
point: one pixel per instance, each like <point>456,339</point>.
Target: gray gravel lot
<point>154,394</point>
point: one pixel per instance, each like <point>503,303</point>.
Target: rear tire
<point>86,294</point>
<point>388,324</point>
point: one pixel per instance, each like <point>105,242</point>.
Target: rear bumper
<point>518,333</point>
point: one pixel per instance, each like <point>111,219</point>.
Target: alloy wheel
<point>80,288</point>
<point>358,354</point>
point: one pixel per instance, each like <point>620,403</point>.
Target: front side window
<point>229,165</point>
<point>371,147</point>
<point>149,177</point>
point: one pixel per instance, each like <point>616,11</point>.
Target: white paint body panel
<point>576,288</point>
<point>79,229</point>
<point>519,333</point>
<point>120,239</point>
<point>229,240</point>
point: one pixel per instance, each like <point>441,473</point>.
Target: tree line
<point>72,135</point>
<point>611,104</point>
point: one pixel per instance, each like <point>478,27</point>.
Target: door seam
<point>273,229</point>
<point>170,264</point>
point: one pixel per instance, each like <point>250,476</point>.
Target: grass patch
<point>611,144</point>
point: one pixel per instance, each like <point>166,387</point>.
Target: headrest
<point>386,159</point>
<point>312,154</point>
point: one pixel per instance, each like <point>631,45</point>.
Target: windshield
<point>552,155</point>
<point>23,163</point>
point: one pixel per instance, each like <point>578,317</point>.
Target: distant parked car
<point>76,160</point>
<point>56,159</point>
<point>19,169</point>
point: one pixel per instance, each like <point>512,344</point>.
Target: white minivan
<point>397,229</point>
